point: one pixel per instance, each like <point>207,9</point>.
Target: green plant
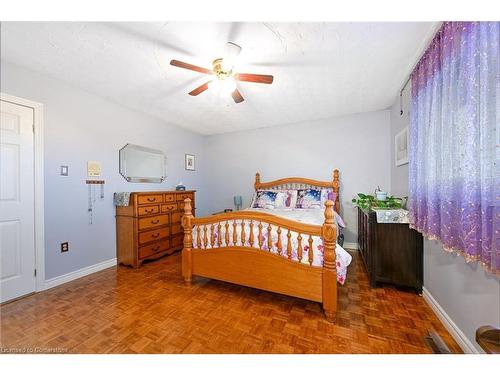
<point>366,201</point>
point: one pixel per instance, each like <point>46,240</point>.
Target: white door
<point>17,211</point>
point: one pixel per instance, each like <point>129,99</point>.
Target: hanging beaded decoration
<point>92,196</point>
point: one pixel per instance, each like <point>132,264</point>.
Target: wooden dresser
<point>392,252</point>
<point>150,226</point>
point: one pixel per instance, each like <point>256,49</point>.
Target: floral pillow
<point>285,198</point>
<point>264,199</point>
<point>327,195</point>
<point>308,198</point>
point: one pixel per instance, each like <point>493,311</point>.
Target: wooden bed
<point>224,258</point>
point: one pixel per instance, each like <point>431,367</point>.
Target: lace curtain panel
<point>454,142</point>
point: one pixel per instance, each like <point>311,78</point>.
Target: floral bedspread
<point>310,216</point>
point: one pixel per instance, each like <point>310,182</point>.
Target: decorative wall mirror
<point>142,164</point>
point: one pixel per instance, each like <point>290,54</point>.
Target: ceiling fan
<point>224,80</point>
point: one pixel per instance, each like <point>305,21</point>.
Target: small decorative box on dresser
<point>392,252</point>
<point>150,226</point>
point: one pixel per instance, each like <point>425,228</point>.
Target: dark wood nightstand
<point>392,252</point>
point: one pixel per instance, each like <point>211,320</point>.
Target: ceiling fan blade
<point>184,65</point>
<point>237,96</point>
<point>200,89</point>
<point>257,78</point>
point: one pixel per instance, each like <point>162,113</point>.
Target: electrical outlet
<point>64,247</point>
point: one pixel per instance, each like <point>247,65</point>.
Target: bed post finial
<point>257,181</point>
<point>329,234</point>
<point>336,189</point>
<point>187,269</point>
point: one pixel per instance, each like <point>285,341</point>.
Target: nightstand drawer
<point>147,210</point>
<point>146,251</point>
<point>152,198</point>
<point>153,221</point>
<point>169,207</point>
<point>153,235</point>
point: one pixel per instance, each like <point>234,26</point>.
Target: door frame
<point>38,166</point>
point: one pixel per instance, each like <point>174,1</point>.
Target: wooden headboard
<point>301,183</point>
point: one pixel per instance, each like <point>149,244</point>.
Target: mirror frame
<point>123,172</point>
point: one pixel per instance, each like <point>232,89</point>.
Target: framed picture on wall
<point>189,162</point>
<point>401,147</point>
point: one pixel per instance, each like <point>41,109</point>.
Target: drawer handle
<point>149,211</point>
<point>151,199</point>
<point>155,249</point>
<point>170,208</point>
<point>155,235</point>
<point>155,221</point>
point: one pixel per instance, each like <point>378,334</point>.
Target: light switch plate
<point>64,170</point>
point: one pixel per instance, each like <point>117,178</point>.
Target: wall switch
<point>64,170</point>
<point>64,247</point>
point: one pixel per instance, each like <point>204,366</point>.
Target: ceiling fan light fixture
<point>222,87</point>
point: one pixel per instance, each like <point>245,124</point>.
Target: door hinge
<point>33,128</point>
<point>35,272</point>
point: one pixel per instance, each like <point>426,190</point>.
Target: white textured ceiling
<point>320,70</point>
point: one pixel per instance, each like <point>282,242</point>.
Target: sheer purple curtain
<point>454,142</point>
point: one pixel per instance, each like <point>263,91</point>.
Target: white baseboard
<point>58,280</point>
<point>449,324</point>
<point>350,245</point>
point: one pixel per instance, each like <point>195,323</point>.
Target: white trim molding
<point>66,278</point>
<point>39,183</point>
<point>449,324</point>
<point>350,245</point>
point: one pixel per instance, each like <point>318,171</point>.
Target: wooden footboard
<point>246,258</point>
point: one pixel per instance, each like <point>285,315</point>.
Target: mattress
<point>308,216</point>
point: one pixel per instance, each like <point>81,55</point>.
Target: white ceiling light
<point>222,87</point>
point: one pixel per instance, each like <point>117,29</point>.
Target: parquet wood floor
<point>150,310</point>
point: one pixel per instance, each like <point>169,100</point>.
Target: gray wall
<point>81,127</point>
<point>399,174</point>
<point>469,295</point>
<point>358,145</point>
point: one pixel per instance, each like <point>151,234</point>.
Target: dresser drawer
<point>169,197</point>
<point>182,196</point>
<point>151,198</point>
<point>177,228</point>
<point>169,207</point>
<point>177,241</point>
<point>146,251</point>
<point>176,217</point>
<point>153,235</point>
<point>153,221</point>
<point>147,210</point>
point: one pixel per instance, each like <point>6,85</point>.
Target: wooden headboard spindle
<point>294,183</point>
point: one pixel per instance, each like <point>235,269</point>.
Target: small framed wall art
<point>189,162</point>
<point>401,147</point>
